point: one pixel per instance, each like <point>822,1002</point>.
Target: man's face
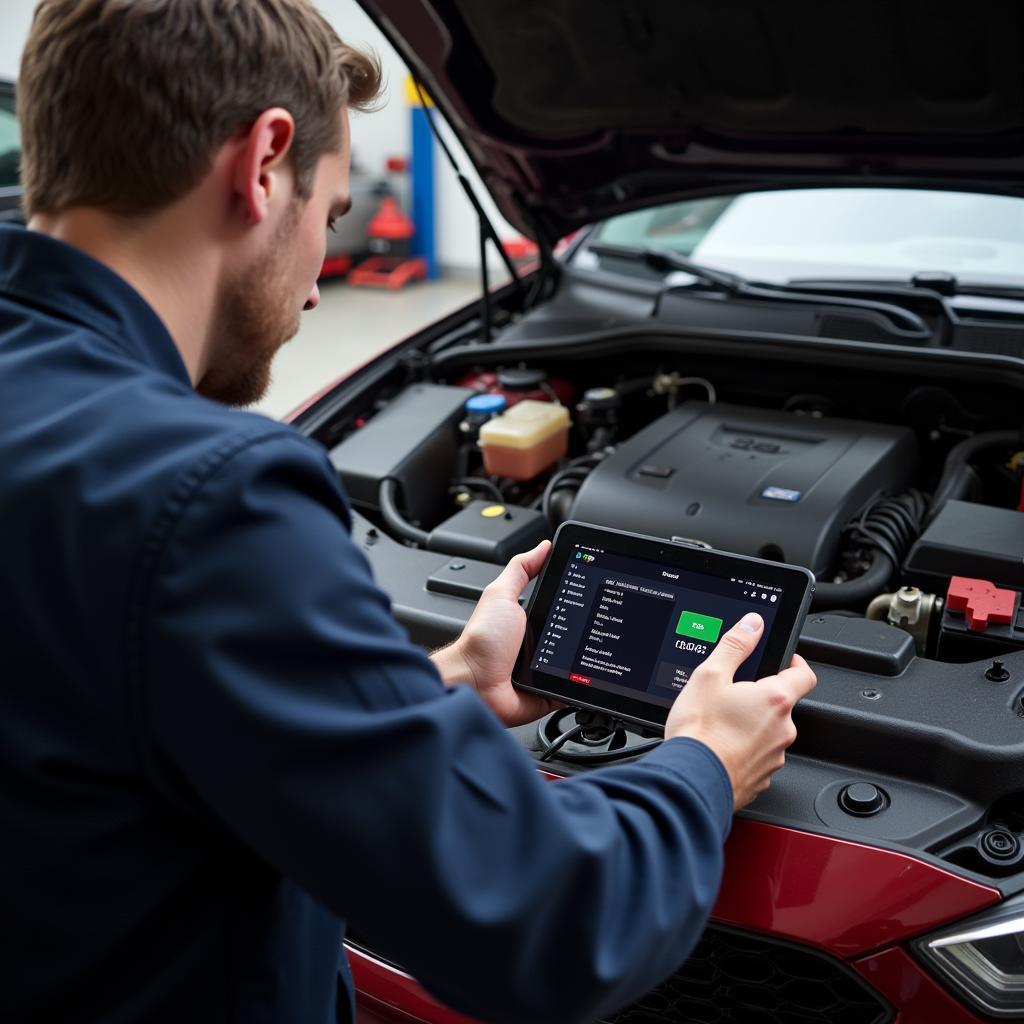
<point>258,305</point>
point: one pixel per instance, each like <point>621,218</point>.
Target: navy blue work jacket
<point>216,743</point>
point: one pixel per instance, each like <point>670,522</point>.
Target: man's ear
<point>261,165</point>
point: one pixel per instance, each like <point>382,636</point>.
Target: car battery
<point>489,531</point>
<point>979,620</point>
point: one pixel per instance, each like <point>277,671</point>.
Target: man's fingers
<point>520,570</point>
<point>799,679</point>
<point>733,648</point>
<point>533,561</point>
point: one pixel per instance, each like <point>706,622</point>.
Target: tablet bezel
<point>797,585</point>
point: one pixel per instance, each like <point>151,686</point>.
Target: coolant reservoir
<point>525,440</point>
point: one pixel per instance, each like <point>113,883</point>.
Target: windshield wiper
<point>664,260</point>
<point>936,283</point>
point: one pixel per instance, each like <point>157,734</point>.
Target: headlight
<point>983,958</point>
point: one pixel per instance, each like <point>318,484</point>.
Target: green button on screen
<point>701,627</point>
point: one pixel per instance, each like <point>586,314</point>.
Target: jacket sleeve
<point>282,699</point>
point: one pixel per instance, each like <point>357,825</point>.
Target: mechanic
<point>216,744</point>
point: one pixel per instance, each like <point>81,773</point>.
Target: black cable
<point>480,484</point>
<point>596,756</point>
<point>394,519</point>
<point>560,741</point>
<point>955,480</point>
<point>640,748</point>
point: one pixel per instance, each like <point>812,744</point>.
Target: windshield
<point>859,233</point>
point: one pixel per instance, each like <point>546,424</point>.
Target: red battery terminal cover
<point>981,602</point>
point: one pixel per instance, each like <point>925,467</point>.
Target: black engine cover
<point>758,482</point>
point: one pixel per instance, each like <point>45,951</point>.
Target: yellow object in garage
<point>412,94</point>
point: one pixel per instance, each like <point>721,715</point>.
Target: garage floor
<point>350,326</point>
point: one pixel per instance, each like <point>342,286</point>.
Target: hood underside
<point>576,109</point>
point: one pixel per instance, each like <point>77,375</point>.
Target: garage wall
<point>375,136</point>
<point>15,19</point>
<point>386,133</point>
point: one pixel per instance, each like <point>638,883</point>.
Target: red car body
<point>857,903</point>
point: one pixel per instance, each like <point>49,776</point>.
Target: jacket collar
<point>65,282</point>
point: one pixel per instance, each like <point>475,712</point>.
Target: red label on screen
<point>585,680</point>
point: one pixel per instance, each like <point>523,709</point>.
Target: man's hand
<point>485,653</point>
<point>748,725</point>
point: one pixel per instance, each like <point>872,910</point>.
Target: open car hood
<point>573,110</point>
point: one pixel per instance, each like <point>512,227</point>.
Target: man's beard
<point>253,318</point>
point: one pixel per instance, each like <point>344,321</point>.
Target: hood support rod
<point>487,232</point>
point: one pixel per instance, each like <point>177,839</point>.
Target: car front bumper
<point>838,911</point>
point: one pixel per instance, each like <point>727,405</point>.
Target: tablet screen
<point>638,628</point>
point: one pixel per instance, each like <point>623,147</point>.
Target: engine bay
<point>854,501</point>
<point>903,491</point>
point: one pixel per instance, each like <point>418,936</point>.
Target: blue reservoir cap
<point>486,404</point>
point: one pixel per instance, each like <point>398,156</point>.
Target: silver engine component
<point>909,609</point>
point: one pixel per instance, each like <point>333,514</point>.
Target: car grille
<point>738,978</point>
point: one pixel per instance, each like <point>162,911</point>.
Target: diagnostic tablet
<point>619,621</point>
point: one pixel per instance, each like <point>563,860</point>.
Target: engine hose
<point>572,477</point>
<point>396,523</point>
<point>854,592</point>
<point>890,525</point>
<point>956,476</point>
<point>886,529</point>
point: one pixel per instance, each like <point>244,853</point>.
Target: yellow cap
<point>493,511</point>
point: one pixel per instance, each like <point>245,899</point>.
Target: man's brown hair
<point>124,103</point>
